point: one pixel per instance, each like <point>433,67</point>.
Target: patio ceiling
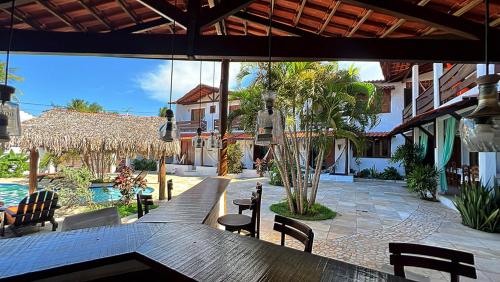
<point>405,30</point>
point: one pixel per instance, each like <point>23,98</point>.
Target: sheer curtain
<point>449,137</point>
<point>424,140</point>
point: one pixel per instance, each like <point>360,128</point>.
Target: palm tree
<point>163,112</point>
<point>318,102</point>
<point>81,105</point>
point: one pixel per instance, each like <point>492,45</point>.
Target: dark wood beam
<point>276,25</point>
<point>222,10</point>
<point>96,14</point>
<point>422,14</point>
<point>193,29</point>
<point>4,4</point>
<point>252,48</point>
<point>125,7</point>
<point>24,18</point>
<point>60,15</point>
<point>145,26</point>
<point>167,10</point>
<point>223,106</point>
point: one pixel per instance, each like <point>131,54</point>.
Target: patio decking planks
<point>191,251</point>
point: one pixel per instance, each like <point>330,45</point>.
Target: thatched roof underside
<point>61,130</point>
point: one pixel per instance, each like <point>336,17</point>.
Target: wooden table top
<point>192,251</point>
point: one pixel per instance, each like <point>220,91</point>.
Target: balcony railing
<point>407,113</point>
<point>235,126</point>
<point>456,81</point>
<point>191,125</point>
<point>425,101</point>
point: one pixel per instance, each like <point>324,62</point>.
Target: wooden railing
<point>407,113</point>
<point>191,125</point>
<point>425,101</point>
<point>456,81</point>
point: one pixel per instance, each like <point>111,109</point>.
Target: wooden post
<point>161,178</point>
<point>33,181</point>
<point>223,106</point>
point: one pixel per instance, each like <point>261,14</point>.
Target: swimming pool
<point>12,194</point>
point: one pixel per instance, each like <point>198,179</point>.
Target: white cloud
<point>25,116</point>
<point>367,70</point>
<point>186,76</point>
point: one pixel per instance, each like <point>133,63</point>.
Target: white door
<point>340,156</point>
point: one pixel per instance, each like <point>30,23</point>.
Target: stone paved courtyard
<point>370,215</point>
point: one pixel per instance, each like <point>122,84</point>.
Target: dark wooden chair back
<point>256,203</point>
<point>143,203</point>
<point>457,263</point>
<point>36,208</point>
<point>295,229</point>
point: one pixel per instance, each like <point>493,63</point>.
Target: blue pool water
<point>12,194</point>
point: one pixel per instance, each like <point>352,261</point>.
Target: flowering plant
<point>126,182</point>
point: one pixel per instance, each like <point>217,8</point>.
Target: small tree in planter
<point>126,182</point>
<point>423,181</point>
<point>409,155</point>
<point>234,156</point>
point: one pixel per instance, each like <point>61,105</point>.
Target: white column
<point>487,167</point>
<point>438,72</point>
<point>415,85</point>
<point>416,135</point>
<point>439,144</point>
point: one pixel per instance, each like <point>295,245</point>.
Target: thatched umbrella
<point>60,131</point>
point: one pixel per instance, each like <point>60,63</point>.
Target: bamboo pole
<point>33,170</point>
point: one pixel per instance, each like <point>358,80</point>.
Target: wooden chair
<point>238,222</point>
<point>466,176</point>
<point>38,207</point>
<point>102,217</point>
<point>245,204</point>
<point>143,203</point>
<point>457,263</point>
<point>295,229</point>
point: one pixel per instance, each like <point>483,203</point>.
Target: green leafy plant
<point>423,181</point>
<point>275,176</point>
<point>479,206</point>
<point>390,173</point>
<point>123,209</point>
<point>13,165</point>
<point>144,164</point>
<point>316,212</point>
<point>73,187</point>
<point>364,173</point>
<point>409,155</point>
<point>373,172</point>
<point>234,156</point>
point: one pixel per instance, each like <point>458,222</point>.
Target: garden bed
<point>317,212</point>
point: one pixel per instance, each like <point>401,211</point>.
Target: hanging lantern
<point>168,131</point>
<point>198,140</point>
<point>480,131</point>
<point>268,122</point>
<point>213,142</point>
<point>10,121</point>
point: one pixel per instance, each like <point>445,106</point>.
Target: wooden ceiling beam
<point>400,22</point>
<point>167,10</point>
<point>24,18</point>
<point>224,9</point>
<point>299,12</point>
<point>126,8</point>
<point>360,22</point>
<point>496,22</point>
<point>96,14</point>
<point>276,25</point>
<point>252,48</point>
<point>60,15</point>
<point>145,26</point>
<point>5,4</point>
<point>329,18</point>
<point>458,13</point>
<point>400,9</point>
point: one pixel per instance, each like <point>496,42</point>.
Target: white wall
<point>247,148</point>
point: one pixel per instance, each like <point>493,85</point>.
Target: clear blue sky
<point>136,86</point>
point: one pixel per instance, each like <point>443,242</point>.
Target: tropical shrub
<point>126,182</point>
<point>73,186</point>
<point>234,156</point>
<point>390,173</point>
<point>13,165</point>
<point>409,155</point>
<point>423,181</point>
<point>144,164</point>
<point>364,173</point>
<point>275,176</point>
<point>479,207</point>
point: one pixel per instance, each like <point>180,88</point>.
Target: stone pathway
<point>370,215</point>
